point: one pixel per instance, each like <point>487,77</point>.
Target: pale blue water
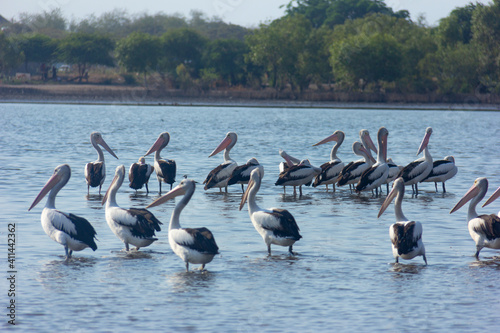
<point>343,278</point>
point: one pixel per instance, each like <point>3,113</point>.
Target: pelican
<point>330,170</point>
<point>420,168</point>
<point>95,172</point>
<point>406,236</point>
<point>290,160</point>
<point>73,232</point>
<point>351,173</point>
<point>276,226</point>
<point>133,226</point>
<point>219,177</point>
<point>484,229</point>
<point>139,174</point>
<point>493,197</point>
<point>377,174</point>
<point>241,174</point>
<point>442,170</point>
<point>165,169</point>
<point>195,246</point>
<point>298,175</point>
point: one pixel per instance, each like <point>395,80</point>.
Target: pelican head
<point>115,183</point>
<point>59,178</point>
<point>96,138</point>
<point>337,136</point>
<point>185,186</point>
<point>477,190</point>
<point>425,140</point>
<point>398,188</point>
<point>160,143</point>
<point>228,143</point>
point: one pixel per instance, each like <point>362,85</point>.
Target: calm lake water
<point>343,278</point>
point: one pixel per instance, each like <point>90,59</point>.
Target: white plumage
<point>95,172</point>
<point>219,177</point>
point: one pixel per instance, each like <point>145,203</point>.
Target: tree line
<point>345,45</point>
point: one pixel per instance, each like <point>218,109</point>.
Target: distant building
<point>3,22</point>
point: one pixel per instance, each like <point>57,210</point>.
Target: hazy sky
<point>248,13</point>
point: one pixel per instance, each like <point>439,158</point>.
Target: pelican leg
<point>171,186</point>
<point>416,189</point>
<point>126,247</point>
<point>147,189</point>
<point>478,249</point>
<point>284,189</point>
<point>68,252</point>
<point>397,260</point>
<point>187,266</point>
<point>425,259</point>
<point>88,189</point>
<point>387,188</point>
<point>444,188</point>
<point>242,188</point>
<point>225,188</point>
<point>436,185</point>
<point>159,184</point>
<point>100,189</point>
<point>269,249</point>
<point>290,250</point>
<point>295,190</point>
<point>300,190</point>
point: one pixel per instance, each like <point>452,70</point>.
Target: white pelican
<point>484,229</point>
<point>298,175</point>
<point>139,173</point>
<point>241,174</point>
<point>351,173</point>
<point>276,226</point>
<point>406,236</point>
<point>133,226</point>
<point>95,172</point>
<point>420,168</point>
<point>442,170</point>
<point>290,160</point>
<point>73,232</point>
<point>165,169</point>
<point>195,246</point>
<point>377,174</point>
<point>219,177</point>
<point>493,197</point>
<point>330,170</point>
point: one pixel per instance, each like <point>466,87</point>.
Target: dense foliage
<point>345,45</point>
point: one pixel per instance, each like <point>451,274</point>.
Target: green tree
<point>227,58</point>
<point>86,50</point>
<point>37,48</point>
<point>182,46</point>
<point>139,52</point>
<point>51,23</point>
<point>457,27</point>
<point>373,58</point>
<point>277,48</point>
<point>334,12</point>
<point>10,55</point>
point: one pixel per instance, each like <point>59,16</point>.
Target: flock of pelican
<point>277,226</point>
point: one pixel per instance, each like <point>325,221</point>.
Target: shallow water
<point>343,278</point>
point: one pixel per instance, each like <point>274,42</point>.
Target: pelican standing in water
<point>276,226</point>
<point>420,168</point>
<point>73,232</point>
<point>132,226</point>
<point>484,229</point>
<point>330,170</point>
<point>165,169</point>
<point>351,173</point>
<point>241,174</point>
<point>298,175</point>
<point>406,236</point>
<point>139,173</point>
<point>219,177</point>
<point>195,246</point>
<point>95,172</point>
<point>442,170</point>
<point>377,174</point>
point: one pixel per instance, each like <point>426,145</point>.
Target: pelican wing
<point>167,170</point>
<point>138,175</point>
<point>241,174</point>
<point>281,223</point>
<point>75,226</point>
<point>221,172</point>
<point>142,223</point>
<point>489,225</point>
<point>329,170</point>
<point>93,173</point>
<point>351,171</point>
<point>198,239</point>
<point>294,172</point>
<point>405,236</point>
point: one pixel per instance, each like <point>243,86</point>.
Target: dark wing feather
<point>168,170</point>
<point>287,175</point>
<point>212,179</point>
<point>325,167</point>
<point>204,241</point>
<point>435,166</point>
<point>406,171</point>
<point>364,180</point>
<point>146,224</point>
<point>403,237</point>
<point>288,226</point>
<point>94,173</point>
<point>85,232</point>
<point>345,174</point>
<point>238,174</point>
<point>139,176</point>
<point>490,227</point>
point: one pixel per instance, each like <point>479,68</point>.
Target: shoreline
<point>126,95</point>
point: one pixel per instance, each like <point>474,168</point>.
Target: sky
<point>248,13</point>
